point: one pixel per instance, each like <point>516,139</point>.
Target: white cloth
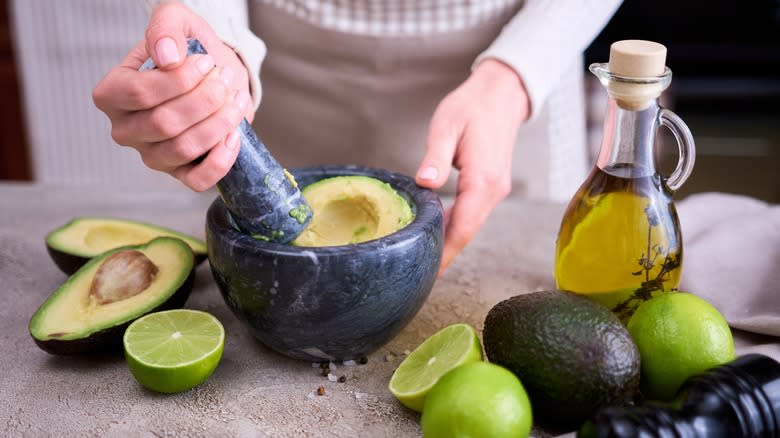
<point>732,257</point>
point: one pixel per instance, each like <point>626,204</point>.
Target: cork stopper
<point>637,58</point>
<point>636,73</point>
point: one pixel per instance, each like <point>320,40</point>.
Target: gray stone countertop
<point>254,391</point>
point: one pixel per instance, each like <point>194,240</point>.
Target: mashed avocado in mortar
<point>352,209</point>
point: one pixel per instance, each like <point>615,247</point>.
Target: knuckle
<point>184,148</point>
<point>498,185</point>
<point>160,121</point>
<point>139,94</point>
<point>229,118</point>
<point>151,163</point>
<point>214,169</point>
<point>99,96</point>
<point>221,167</point>
<point>186,78</point>
<point>198,184</point>
<point>118,134</point>
<point>502,186</point>
<point>213,95</point>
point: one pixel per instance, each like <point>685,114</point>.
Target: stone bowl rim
<point>425,204</point>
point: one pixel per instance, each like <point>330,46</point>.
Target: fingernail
<point>227,76</point>
<point>232,140</point>
<point>430,173</point>
<point>167,53</point>
<point>242,99</point>
<point>205,64</point>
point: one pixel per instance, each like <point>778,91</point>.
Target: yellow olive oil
<point>619,241</point>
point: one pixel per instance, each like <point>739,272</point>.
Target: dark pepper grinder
<point>263,198</point>
<point>738,399</point>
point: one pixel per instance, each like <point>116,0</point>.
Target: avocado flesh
<point>73,244</point>
<point>73,321</point>
<point>352,209</point>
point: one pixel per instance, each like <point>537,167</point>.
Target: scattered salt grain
<point>349,363</point>
<point>332,377</point>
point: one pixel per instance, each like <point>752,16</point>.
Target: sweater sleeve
<point>544,38</point>
<point>230,21</point>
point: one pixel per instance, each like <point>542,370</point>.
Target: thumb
<point>440,146</point>
<point>170,25</point>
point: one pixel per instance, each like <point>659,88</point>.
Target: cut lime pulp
<point>174,350</point>
<point>452,346</point>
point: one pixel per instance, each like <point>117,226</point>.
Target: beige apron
<point>336,98</point>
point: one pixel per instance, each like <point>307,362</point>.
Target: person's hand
<point>181,117</point>
<point>473,129</point>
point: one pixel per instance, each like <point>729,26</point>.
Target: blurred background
<point>725,58</point>
<point>725,62</point>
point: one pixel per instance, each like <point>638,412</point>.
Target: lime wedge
<point>452,346</point>
<point>173,350</point>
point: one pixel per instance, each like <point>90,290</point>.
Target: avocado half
<point>352,209</point>
<point>74,243</point>
<point>90,311</point>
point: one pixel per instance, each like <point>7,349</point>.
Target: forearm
<point>545,37</point>
<point>230,21</point>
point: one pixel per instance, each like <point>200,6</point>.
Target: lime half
<point>174,350</point>
<point>452,346</point>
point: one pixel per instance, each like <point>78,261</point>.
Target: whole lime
<point>478,399</point>
<point>679,335</point>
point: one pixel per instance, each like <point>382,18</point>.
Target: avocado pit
<point>122,275</point>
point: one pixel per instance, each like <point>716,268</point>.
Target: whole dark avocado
<point>572,355</point>
<point>74,243</point>
<point>89,312</point>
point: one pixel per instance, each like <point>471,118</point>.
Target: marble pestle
<point>263,199</point>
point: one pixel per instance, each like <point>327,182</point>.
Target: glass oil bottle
<point>620,242</point>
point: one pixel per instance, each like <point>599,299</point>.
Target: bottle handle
<point>685,146</point>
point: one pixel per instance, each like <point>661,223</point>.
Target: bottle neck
<point>627,147</point>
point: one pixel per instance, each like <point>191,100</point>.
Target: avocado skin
<point>70,263</point>
<point>110,339</point>
<point>571,354</point>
